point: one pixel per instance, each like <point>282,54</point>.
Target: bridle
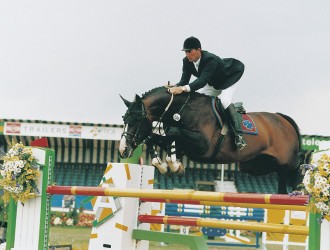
<point>134,138</point>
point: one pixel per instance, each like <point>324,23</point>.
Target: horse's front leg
<point>174,164</point>
<point>166,143</point>
<point>157,162</point>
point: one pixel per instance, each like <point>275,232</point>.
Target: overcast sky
<point>69,60</point>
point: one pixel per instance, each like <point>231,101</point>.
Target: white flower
<point>307,178</point>
<point>11,152</point>
<point>3,173</point>
<point>325,189</point>
<point>319,181</point>
<point>9,164</point>
<point>18,170</point>
<point>19,164</point>
<point>322,207</point>
<point>3,246</point>
<point>9,188</point>
<point>15,190</point>
<point>69,222</point>
<point>57,221</point>
<point>325,192</point>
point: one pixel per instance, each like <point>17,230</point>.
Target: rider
<point>215,77</point>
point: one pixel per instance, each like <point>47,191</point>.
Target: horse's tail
<point>294,125</point>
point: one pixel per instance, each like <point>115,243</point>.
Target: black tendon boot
<point>235,125</point>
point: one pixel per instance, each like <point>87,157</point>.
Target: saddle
<point>248,124</point>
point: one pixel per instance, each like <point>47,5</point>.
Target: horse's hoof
<point>181,171</point>
<point>167,172</point>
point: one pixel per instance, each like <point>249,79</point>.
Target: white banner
<point>62,130</point>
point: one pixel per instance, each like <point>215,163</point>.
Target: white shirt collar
<point>197,63</point>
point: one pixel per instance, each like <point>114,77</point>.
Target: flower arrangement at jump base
<point>316,184</point>
<point>18,174</point>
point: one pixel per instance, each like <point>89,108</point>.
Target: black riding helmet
<point>191,43</point>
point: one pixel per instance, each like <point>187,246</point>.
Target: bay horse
<point>274,148</point>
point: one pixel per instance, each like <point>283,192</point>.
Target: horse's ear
<point>137,98</point>
<point>127,103</point>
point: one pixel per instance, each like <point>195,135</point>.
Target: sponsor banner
<point>62,130</point>
<point>313,142</point>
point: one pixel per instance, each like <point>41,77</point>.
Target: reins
<point>167,107</point>
<point>159,121</point>
<point>174,116</point>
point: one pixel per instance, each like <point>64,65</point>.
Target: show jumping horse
<point>201,136</point>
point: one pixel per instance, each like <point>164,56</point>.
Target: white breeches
<point>225,95</point>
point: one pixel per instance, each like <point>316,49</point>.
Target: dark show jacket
<point>212,70</point>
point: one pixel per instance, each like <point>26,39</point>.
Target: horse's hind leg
<point>266,164</point>
<point>292,178</point>
<point>284,175</point>
<point>282,183</point>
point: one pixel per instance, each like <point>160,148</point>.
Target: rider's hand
<point>176,90</point>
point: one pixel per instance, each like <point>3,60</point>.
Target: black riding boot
<point>236,127</point>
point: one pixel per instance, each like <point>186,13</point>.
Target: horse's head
<point>137,127</point>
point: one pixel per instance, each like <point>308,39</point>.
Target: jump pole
<point>278,199</point>
<point>227,224</point>
<point>229,204</point>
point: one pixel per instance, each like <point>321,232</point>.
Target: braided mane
<point>161,89</point>
<point>152,91</point>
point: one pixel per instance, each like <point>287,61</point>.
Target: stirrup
<point>240,147</point>
<point>240,143</point>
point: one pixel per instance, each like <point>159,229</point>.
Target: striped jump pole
<point>279,199</point>
<point>229,204</point>
<point>213,223</point>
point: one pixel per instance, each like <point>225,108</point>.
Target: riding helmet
<point>191,43</point>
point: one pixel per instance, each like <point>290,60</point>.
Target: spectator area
<point>90,175</point>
